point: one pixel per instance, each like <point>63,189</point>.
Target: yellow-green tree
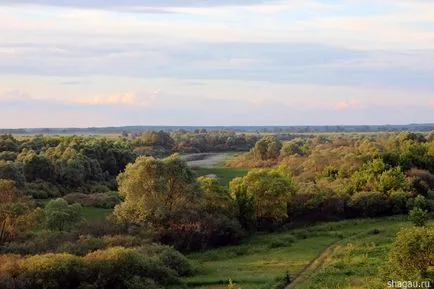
<point>156,190</point>
<point>269,191</point>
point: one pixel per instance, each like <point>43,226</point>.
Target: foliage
<point>412,255</point>
<point>116,267</point>
<point>61,216</point>
<point>267,148</point>
<point>98,200</point>
<point>155,189</point>
<point>369,204</point>
<point>418,217</point>
<point>268,190</point>
<point>18,214</point>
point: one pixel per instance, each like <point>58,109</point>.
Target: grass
<point>225,175</point>
<point>262,259</point>
<point>95,214</point>
<point>355,263</point>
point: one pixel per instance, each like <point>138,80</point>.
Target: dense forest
<point>161,206</point>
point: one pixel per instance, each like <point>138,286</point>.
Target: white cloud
<point>129,98</point>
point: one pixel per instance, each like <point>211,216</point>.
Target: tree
<point>392,179</point>
<point>61,216</point>
<point>17,212</point>
<point>156,189</point>
<point>268,189</point>
<point>418,217</point>
<point>38,167</point>
<point>12,171</point>
<point>267,148</point>
<point>8,143</point>
<point>217,198</point>
<point>412,255</point>
<point>431,136</point>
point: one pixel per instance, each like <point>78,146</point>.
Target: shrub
<point>61,216</point>
<point>412,255</point>
<point>170,258</point>
<point>398,201</point>
<point>99,200</point>
<point>42,190</point>
<point>115,267</point>
<point>418,217</point>
<point>369,204</point>
<point>112,268</point>
<point>84,245</point>
<point>121,240</point>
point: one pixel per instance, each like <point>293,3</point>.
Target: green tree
<point>217,198</point>
<point>412,255</point>
<point>61,216</point>
<point>12,171</point>
<point>267,148</point>
<point>269,190</point>
<point>392,179</point>
<point>418,217</point>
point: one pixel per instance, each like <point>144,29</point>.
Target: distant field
<point>259,261</point>
<point>29,136</point>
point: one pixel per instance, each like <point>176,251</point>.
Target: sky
<point>80,63</point>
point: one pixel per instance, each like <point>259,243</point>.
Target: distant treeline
<point>270,129</point>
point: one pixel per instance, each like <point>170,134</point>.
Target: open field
<point>224,175</point>
<point>205,164</point>
<point>358,251</point>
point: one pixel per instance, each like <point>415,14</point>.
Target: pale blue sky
<point>79,63</point>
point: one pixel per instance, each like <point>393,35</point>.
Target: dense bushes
<point>115,267</point>
<point>99,200</point>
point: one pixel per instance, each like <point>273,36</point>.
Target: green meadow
<point>344,254</point>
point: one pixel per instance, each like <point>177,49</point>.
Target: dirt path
<point>314,265</point>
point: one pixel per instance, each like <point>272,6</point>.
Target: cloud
<point>129,98</point>
<point>348,104</point>
<point>13,96</point>
<point>111,4</point>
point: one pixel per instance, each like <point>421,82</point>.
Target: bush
<point>209,232</point>
<point>369,204</point>
<point>84,245</point>
<point>42,190</point>
<point>61,216</point>
<point>418,217</point>
<point>39,242</point>
<point>398,201</point>
<point>122,241</point>
<point>112,268</point>
<point>99,200</point>
<point>170,258</point>
<point>115,267</point>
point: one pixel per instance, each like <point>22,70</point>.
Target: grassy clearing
<point>356,262</point>
<point>259,261</point>
<point>95,214</point>
<point>225,175</point>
